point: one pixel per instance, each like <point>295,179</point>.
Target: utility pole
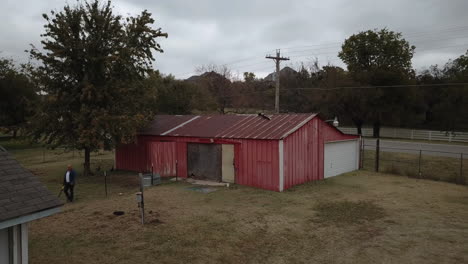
<point>277,60</point>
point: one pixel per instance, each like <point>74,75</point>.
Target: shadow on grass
<point>347,212</point>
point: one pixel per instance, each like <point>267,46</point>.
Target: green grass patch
<point>435,168</point>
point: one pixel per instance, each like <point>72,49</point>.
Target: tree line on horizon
<point>92,85</point>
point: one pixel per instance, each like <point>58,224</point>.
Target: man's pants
<point>68,190</point>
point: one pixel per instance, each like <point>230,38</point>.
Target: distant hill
<point>206,75</point>
<point>286,71</point>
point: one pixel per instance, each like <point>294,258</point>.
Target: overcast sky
<point>240,33</point>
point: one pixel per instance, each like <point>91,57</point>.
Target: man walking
<point>69,183</point>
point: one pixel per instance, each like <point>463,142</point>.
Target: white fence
<point>404,133</point>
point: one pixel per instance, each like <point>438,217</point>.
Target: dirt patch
<point>347,212</point>
<point>155,221</point>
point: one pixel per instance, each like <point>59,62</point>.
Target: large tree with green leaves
<point>92,69</point>
<point>380,58</point>
<point>173,96</point>
<point>17,96</point>
<point>452,112</point>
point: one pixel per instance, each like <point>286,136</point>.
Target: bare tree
<point>218,80</point>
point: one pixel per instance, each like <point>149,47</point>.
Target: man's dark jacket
<point>71,177</point>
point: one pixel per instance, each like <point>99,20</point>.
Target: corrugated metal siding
<point>302,156</point>
<point>256,127</point>
<point>131,157</point>
<point>304,152</point>
<point>228,126</point>
<point>181,154</point>
<point>256,161</point>
<point>163,123</point>
<point>330,133</point>
<point>257,164</point>
<point>162,157</point>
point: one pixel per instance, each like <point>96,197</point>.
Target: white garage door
<point>341,157</point>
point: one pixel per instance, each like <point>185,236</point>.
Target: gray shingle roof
<point>21,192</point>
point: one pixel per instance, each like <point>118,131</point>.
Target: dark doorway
<point>204,161</point>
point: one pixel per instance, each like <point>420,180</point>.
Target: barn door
<point>163,158</point>
<point>204,161</point>
<point>228,173</point>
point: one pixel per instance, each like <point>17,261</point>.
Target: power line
<point>413,34</point>
<point>381,86</point>
<point>331,45</point>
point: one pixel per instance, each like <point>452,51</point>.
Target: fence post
<point>462,179</point>
<point>430,135</point>
<point>450,137</point>
<point>361,157</point>
<point>377,154</point>
<point>152,175</point>
<point>363,153</point>
<point>142,202</point>
<point>412,134</point>
<point>105,181</point>
<point>177,169</point>
<point>419,169</point>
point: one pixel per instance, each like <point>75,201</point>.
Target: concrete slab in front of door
<point>202,182</point>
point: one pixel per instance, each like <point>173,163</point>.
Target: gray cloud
<point>240,33</point>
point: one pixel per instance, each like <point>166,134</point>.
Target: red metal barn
<point>273,152</point>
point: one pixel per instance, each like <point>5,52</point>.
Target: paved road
<point>446,150</point>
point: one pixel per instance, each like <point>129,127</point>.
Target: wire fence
<point>100,160</point>
<point>416,163</point>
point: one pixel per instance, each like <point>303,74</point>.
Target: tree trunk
<point>358,123</point>
<point>376,129</point>
<point>87,163</point>
<point>15,132</point>
<point>359,129</point>
<point>429,117</point>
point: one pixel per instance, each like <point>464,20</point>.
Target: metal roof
<point>238,126</point>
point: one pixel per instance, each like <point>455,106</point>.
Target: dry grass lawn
<point>385,219</point>
<point>360,217</point>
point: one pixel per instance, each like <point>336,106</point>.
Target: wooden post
<point>277,60</point>
<point>105,181</point>
<point>176,169</point>
<point>419,163</point>
<point>363,154</point>
<point>152,175</point>
<point>361,151</point>
<point>377,154</point>
<point>462,179</point>
<point>142,203</point>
